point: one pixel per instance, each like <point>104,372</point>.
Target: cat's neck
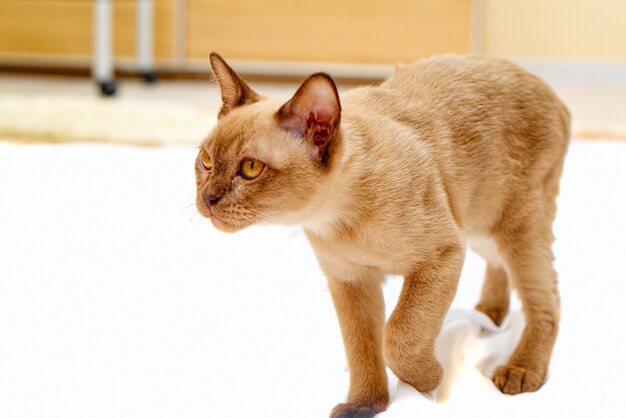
<point>332,210</point>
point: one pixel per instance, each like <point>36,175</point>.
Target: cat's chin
<point>223,226</point>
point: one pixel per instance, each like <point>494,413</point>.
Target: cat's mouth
<point>222,225</point>
<point>218,220</point>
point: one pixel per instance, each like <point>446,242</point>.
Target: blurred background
<point>53,47</point>
<point>59,33</point>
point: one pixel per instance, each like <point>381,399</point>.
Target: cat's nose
<point>211,199</point>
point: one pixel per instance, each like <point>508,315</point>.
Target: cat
<point>397,179</point>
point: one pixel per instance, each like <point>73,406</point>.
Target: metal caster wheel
<point>149,76</point>
<point>108,88</point>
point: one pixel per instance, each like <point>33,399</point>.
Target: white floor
<point>117,301</point>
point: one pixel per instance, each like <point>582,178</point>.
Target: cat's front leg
<point>361,314</point>
<point>416,321</point>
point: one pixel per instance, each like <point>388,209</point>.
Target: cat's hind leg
<point>495,294</point>
<point>525,238</point>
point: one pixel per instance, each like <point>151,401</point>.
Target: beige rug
<point>56,119</point>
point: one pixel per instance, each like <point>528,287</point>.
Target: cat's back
<point>447,79</point>
<point>466,93</point>
<point>479,106</point>
<point>486,124</point>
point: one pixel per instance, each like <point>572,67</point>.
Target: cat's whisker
<point>263,216</point>
<point>258,219</point>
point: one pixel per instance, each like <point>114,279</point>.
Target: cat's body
<point>461,144</point>
<point>447,152</point>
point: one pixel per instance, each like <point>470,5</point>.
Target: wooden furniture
<point>356,31</point>
<point>273,32</point>
<point>102,64</point>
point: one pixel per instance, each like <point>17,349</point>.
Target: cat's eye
<point>251,168</point>
<point>206,160</point>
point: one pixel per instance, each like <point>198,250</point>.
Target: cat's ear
<point>235,91</point>
<point>313,114</point>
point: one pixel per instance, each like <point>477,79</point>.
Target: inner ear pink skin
<point>313,113</point>
<point>319,130</point>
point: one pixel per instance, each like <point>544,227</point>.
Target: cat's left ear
<point>235,91</point>
<point>313,114</point>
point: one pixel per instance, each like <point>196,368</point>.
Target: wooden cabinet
<point>351,31</point>
<point>63,28</point>
<point>356,31</point>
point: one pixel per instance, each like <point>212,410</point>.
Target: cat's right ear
<point>313,114</point>
<point>235,91</point>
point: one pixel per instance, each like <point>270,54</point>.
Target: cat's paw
<point>513,380</point>
<point>496,313</point>
<point>347,410</point>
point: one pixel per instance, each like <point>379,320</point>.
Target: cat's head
<point>267,161</point>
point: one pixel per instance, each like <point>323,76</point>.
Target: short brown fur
<point>399,179</point>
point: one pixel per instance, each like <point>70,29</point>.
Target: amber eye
<point>206,160</point>
<point>251,168</point>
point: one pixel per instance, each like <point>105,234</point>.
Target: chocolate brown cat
<point>399,179</point>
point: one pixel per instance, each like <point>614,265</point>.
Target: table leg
<point>102,66</point>
<point>145,40</point>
